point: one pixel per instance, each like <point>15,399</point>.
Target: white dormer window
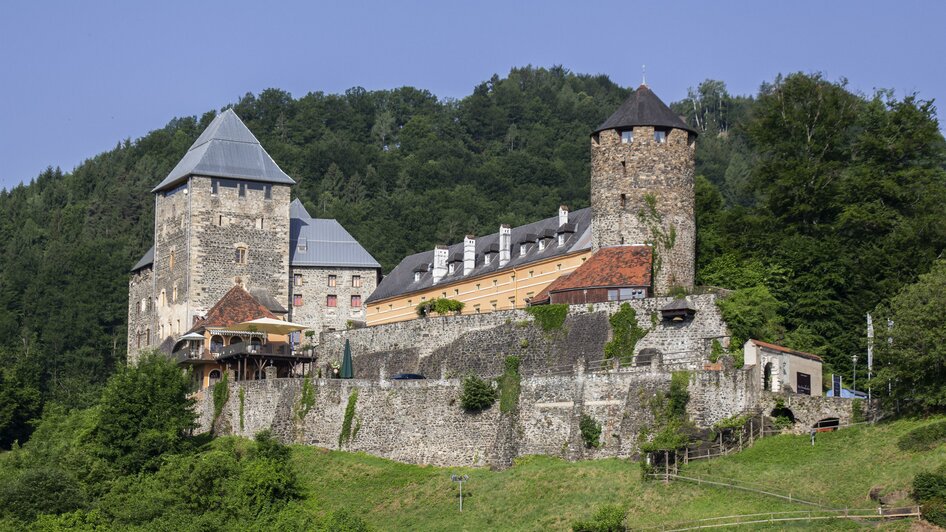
<point>522,249</point>
<point>486,258</point>
<point>541,244</point>
<point>452,267</point>
<point>561,239</point>
<point>416,276</point>
<point>660,137</point>
<point>627,137</point>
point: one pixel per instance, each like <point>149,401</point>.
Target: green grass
<point>543,493</point>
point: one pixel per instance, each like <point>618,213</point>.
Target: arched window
<point>214,376</point>
<point>234,340</point>
<point>216,343</point>
<point>256,344</point>
<point>767,377</point>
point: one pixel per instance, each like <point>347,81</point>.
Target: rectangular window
<point>623,200</point>
<point>356,281</point>
<point>332,280</point>
<point>297,300</point>
<point>240,256</point>
<point>219,220</point>
<point>660,137</point>
<point>612,295</point>
<point>627,137</point>
<point>297,279</point>
<point>172,259</point>
<point>268,192</point>
<point>803,383</point>
<point>259,223</point>
<point>355,301</point>
<point>331,300</point>
<point>242,190</point>
<point>214,186</point>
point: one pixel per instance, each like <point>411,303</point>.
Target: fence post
<point>686,455</point>
<point>761,426</point>
<point>666,468</point>
<point>751,431</point>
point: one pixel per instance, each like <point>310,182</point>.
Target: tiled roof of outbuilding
<point>786,350</point>
<point>643,108</point>
<point>618,266</point>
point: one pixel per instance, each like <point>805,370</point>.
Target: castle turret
<point>642,177</point>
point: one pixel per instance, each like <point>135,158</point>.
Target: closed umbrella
<point>347,370</point>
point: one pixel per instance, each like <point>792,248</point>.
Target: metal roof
<point>226,148</point>
<point>643,108</point>
<point>323,242</point>
<point>401,279</point>
<point>146,260</point>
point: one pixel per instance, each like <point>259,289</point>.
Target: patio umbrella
<point>267,325</point>
<point>347,371</point>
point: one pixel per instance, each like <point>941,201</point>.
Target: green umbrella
<point>347,371</point>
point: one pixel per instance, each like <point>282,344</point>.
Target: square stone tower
<point>642,179</point>
<point>221,218</point>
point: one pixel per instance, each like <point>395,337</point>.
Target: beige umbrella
<point>267,325</point>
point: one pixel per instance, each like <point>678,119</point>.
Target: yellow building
<point>500,271</point>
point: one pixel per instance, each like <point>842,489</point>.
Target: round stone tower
<point>642,172</point>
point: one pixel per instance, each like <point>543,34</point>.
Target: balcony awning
<point>191,336</point>
<point>268,325</point>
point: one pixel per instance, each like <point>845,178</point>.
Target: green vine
<point>242,400</point>
<point>509,386</point>
<point>661,239</point>
<point>549,317</point>
<point>306,399</point>
<point>590,431</point>
<point>625,334</point>
<point>671,426</point>
<point>441,305</point>
<point>345,436</point>
<point>221,394</point>
<point>716,351</point>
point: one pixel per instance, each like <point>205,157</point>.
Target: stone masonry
<point>625,177</point>
<point>140,312</point>
<point>315,289</point>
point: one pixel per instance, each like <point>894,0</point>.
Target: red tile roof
<point>609,267</point>
<point>788,350</point>
<point>236,306</point>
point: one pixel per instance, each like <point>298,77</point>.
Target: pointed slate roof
<point>226,148</point>
<point>323,242</point>
<point>643,108</point>
<point>146,260</point>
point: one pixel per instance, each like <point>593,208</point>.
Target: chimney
<point>440,263</point>
<point>469,254</point>
<point>505,244</point>
<point>562,215</point>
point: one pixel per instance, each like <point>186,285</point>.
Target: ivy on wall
<point>509,386</point>
<point>221,394</point>
<point>345,436</point>
<point>625,334</point>
<point>549,317</point>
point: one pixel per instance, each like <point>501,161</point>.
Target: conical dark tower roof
<point>643,108</point>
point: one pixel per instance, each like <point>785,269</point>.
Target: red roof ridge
<point>236,306</point>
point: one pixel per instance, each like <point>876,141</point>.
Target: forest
<point>815,203</point>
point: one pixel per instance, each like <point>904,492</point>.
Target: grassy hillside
<point>542,493</point>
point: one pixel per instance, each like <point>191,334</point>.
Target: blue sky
<point>78,77</point>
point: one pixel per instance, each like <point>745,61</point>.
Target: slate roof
<point>267,300</point>
<point>326,242</point>
<point>236,306</point>
<point>643,108</point>
<point>146,260</point>
<point>787,350</point>
<point>401,279</point>
<point>226,148</point>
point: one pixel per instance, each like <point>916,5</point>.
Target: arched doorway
<point>214,377</point>
<point>646,356</point>
<point>783,417</point>
<point>767,377</point>
<point>216,343</point>
<point>236,340</point>
<point>256,344</point>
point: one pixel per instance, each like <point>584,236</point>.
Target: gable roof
<point>643,108</point>
<point>617,266</point>
<point>577,238</point>
<point>324,242</point>
<point>787,350</point>
<point>146,260</point>
<point>236,306</point>
<point>226,148</point>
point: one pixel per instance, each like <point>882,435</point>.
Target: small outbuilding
<point>783,367</point>
<point>616,273</point>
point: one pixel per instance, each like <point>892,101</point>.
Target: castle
<point>223,218</point>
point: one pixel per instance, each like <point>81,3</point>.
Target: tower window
<point>297,300</point>
<point>332,280</point>
<point>214,186</point>
<point>171,260</point>
<point>242,190</point>
<point>416,276</point>
<point>331,300</point>
<point>356,281</point>
<point>297,279</point>
<point>660,137</point>
<point>623,200</point>
<point>268,192</point>
<point>356,301</point>
<point>240,256</point>
<point>627,136</point>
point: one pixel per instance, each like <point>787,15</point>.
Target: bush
<point>929,489</point>
<point>549,317</point>
<point>43,490</point>
<point>441,306</point>
<point>923,438</point>
<point>344,521</point>
<point>751,313</point>
<point>477,394</point>
<point>608,518</point>
<point>590,431</point>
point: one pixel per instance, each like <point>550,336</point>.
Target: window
<point>214,186</point>
<point>138,312</point>
<point>331,300</point>
<point>660,137</point>
<point>332,280</point>
<point>531,273</point>
<point>627,136</point>
<point>558,267</point>
<point>803,383</point>
<point>164,299</point>
<point>355,301</point>
<point>297,300</point>
<point>522,249</point>
<point>297,279</point>
<point>477,286</point>
<point>623,200</point>
<point>495,282</point>
<point>240,257</point>
<point>452,267</point>
<point>541,244</point>
<point>476,309</point>
<point>416,276</point>
<point>301,246</point>
<point>259,223</point>
<point>486,258</point>
<point>219,220</point>
<point>356,281</point>
<point>561,239</point>
<point>268,192</point>
<point>242,190</point>
<point>148,336</point>
<point>456,291</point>
<point>174,294</point>
<point>171,260</point>
<point>493,304</point>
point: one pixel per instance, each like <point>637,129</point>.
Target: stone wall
<point>314,312</point>
<point>809,410</point>
<point>140,312</point>
<point>172,225</point>
<point>718,394</point>
<point>478,343</point>
<point>622,175</point>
